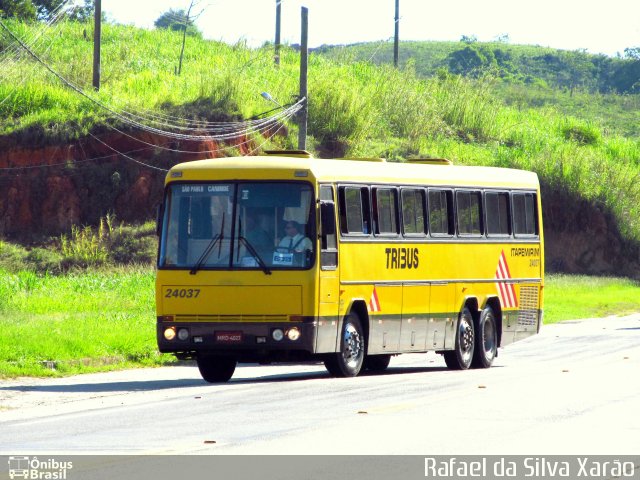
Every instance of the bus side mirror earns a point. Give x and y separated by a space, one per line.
328 218
159 214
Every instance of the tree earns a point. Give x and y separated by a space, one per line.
179 20
84 13
627 76
470 61
43 9
21 9
632 52
176 20
468 39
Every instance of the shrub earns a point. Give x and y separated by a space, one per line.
583 133
44 260
12 257
134 244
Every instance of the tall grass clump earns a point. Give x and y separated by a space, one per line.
406 106
468 107
108 245
583 133
84 246
339 116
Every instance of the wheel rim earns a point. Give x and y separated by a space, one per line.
489 338
353 350
466 339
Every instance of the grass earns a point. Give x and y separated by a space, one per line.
80 322
569 297
103 320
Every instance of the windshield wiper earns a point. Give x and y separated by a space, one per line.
207 251
255 254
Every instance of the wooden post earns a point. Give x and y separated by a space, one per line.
304 62
397 35
97 38
277 42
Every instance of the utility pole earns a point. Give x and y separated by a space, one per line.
304 62
396 41
277 42
97 39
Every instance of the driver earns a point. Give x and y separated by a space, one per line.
294 241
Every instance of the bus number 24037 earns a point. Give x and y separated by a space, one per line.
182 293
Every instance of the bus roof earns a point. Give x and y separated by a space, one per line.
349 171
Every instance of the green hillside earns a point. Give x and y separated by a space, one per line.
514 63
582 141
574 82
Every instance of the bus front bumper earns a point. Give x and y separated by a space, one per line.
235 338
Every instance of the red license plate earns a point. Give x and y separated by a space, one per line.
229 337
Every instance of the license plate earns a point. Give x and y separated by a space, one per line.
228 337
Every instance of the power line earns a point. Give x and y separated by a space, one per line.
226 131
216 131
127 155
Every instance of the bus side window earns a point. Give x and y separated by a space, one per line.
524 214
386 211
413 212
441 213
354 211
469 212
497 213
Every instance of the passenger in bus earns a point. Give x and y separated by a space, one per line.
258 236
294 241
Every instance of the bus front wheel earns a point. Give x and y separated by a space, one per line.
461 356
348 361
486 347
216 368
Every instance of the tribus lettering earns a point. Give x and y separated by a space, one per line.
400 258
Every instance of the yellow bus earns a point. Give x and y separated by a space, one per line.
284 257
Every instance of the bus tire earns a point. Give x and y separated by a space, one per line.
216 368
461 356
377 363
486 346
348 361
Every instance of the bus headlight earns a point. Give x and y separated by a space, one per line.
277 334
170 333
293 334
183 334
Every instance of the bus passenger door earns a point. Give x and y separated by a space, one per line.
329 279
415 317
328 309
440 314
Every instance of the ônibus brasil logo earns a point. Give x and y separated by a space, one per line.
35 469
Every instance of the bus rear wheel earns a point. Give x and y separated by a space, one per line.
216 368
461 356
486 347
348 361
377 363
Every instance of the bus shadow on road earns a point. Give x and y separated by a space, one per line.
157 385
108 387
324 375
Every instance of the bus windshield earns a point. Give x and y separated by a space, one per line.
238 225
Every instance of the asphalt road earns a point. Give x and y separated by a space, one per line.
573 389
